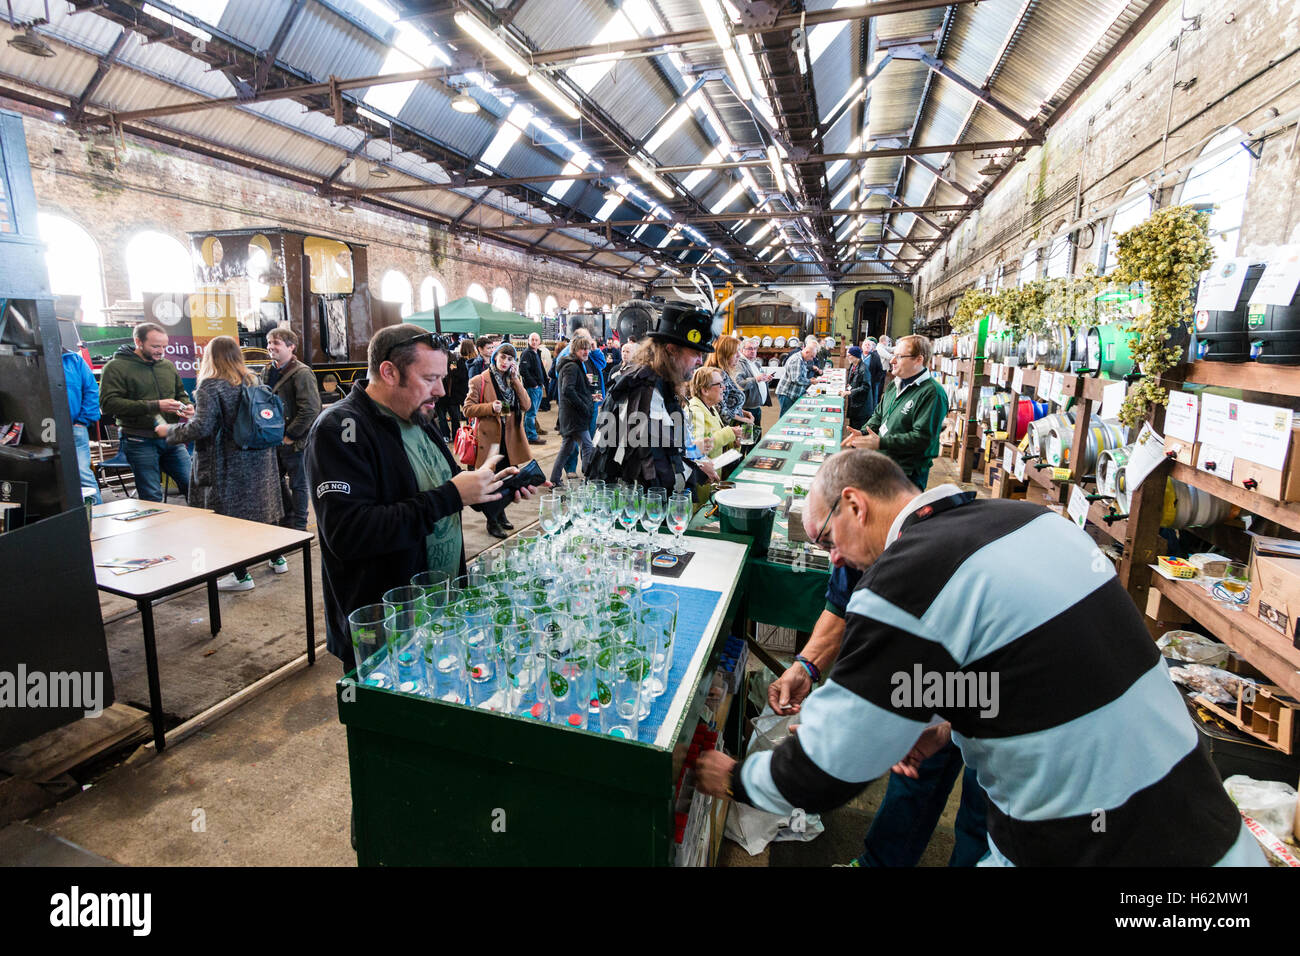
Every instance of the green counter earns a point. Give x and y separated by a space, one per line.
444 784
778 593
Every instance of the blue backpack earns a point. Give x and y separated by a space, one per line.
259 420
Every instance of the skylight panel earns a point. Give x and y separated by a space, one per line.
728 198
391 97
511 128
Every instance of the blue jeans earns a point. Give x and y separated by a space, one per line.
530 416
81 436
295 498
907 816
786 401
149 458
571 462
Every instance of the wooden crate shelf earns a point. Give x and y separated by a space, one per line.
1285 514
1264 647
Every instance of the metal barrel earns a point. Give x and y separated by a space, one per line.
1108 351
1194 508
1041 428
1108 463
1102 434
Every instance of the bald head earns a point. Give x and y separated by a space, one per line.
534 341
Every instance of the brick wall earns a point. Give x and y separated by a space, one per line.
115 193
1243 62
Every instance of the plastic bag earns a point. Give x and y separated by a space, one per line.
1193 648
1220 686
754 829
1269 802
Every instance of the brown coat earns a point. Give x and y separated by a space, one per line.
478 405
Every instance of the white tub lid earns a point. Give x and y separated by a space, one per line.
738 497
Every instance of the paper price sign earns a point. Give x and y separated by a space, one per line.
1018 381
1078 506
1009 458
1021 469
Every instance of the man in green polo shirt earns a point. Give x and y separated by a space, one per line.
909 418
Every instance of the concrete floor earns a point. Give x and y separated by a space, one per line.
268 783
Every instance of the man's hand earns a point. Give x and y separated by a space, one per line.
161 430
482 484
187 411
713 773
286 440
710 472
169 406
787 692
932 740
868 439
851 433
844 393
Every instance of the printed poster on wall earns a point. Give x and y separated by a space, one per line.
191 320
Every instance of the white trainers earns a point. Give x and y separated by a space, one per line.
279 565
232 583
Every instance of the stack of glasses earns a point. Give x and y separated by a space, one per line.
565 630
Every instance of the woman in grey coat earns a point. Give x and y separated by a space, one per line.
230 481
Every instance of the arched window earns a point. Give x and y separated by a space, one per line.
607 307
1137 207
1029 266
1058 258
586 307
431 291
476 291
72 260
551 306
501 300
533 305
155 262
395 287
1221 180
574 306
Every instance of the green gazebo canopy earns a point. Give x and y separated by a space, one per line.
468 316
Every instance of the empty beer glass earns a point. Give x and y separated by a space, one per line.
525 670
655 636
368 629
443 652
620 689
570 678
663 661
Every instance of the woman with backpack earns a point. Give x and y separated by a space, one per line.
229 480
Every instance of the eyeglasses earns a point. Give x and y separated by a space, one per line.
433 340
817 541
717 384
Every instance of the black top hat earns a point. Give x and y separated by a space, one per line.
683 324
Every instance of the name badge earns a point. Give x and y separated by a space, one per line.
884 430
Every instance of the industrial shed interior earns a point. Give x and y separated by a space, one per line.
1071 226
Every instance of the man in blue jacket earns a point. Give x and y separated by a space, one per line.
386 490
83 398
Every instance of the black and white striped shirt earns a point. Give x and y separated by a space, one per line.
1006 619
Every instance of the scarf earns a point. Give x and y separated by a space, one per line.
505 392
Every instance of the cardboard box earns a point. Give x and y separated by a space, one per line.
1275 593
1284 485
1184 451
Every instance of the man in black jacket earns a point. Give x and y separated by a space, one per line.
577 394
533 374
387 493
295 383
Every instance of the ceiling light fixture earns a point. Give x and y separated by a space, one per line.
464 103
489 40
613 195
721 27
991 168
650 177
552 92
774 160
31 43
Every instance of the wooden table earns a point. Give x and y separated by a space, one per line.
106 522
205 547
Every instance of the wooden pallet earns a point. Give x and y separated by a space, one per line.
54 753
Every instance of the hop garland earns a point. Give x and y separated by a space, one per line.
1167 252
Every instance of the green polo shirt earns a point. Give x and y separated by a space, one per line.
443 547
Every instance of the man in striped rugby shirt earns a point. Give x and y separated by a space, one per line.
1057 697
